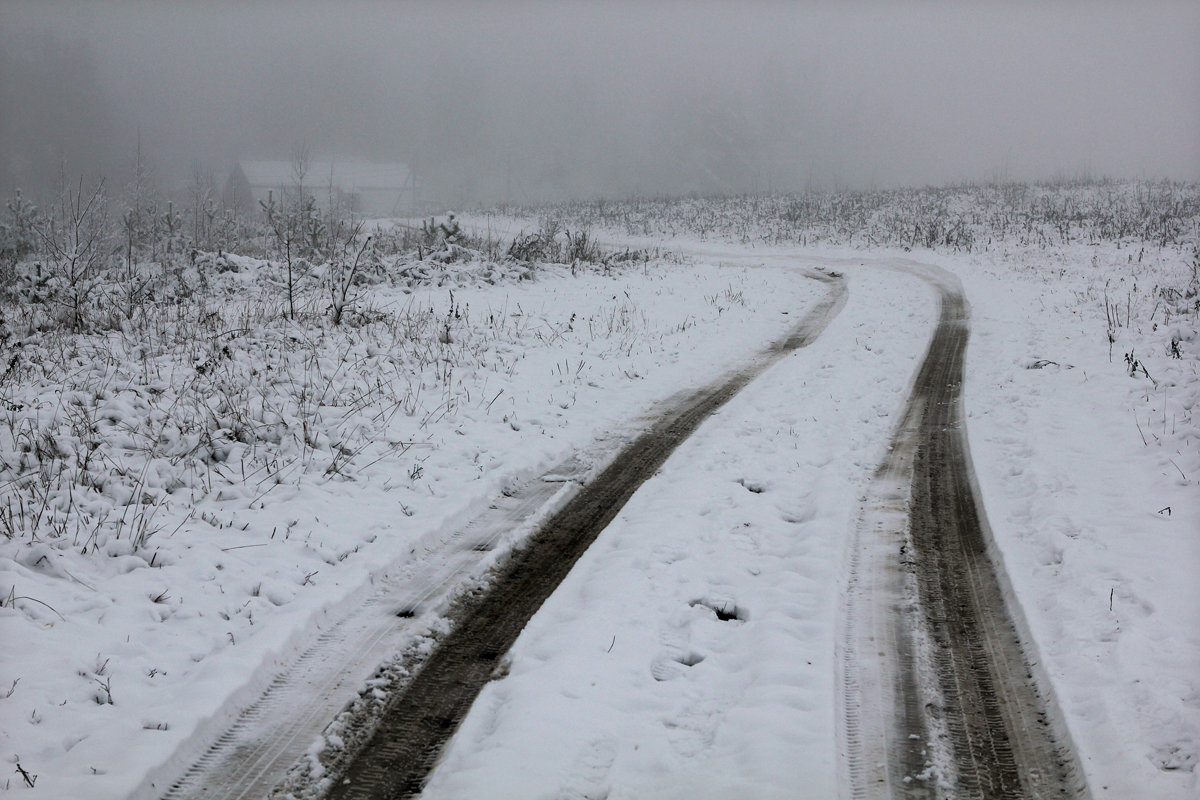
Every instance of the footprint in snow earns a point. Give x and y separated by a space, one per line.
587 778
724 609
671 665
751 485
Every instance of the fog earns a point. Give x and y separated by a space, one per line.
520 102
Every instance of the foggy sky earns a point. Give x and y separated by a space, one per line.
541 100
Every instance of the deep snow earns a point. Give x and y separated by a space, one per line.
629 679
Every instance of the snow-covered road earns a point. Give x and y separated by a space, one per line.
943 695
691 653
693 649
409 738
675 660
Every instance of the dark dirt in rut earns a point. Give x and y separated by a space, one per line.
1001 739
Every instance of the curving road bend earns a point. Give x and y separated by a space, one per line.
940 695
941 691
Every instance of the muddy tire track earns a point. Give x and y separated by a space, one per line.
248 756
940 694
423 714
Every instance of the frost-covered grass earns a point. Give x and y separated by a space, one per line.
224 394
131 385
963 218
1127 253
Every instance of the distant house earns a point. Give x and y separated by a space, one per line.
372 189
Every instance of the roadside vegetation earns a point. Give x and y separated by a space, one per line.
1126 252
959 218
151 356
150 353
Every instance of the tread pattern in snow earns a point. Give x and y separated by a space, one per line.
962 715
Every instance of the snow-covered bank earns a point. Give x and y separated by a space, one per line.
125 648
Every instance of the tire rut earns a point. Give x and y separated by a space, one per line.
249 756
960 713
421 717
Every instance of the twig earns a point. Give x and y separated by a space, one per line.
1139 427
30 780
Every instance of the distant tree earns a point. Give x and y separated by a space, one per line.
18 230
204 206
301 163
140 221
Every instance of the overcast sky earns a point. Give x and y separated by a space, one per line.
523 101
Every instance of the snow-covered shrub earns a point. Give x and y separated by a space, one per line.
78 250
960 218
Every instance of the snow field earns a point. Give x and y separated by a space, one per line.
128 646
691 650
1088 472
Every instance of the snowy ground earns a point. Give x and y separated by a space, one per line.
125 650
1088 476
690 653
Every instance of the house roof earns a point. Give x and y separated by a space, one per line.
347 175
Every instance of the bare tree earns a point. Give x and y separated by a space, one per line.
77 244
203 195
301 163
343 271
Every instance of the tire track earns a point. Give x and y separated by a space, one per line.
423 714
940 698
249 756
